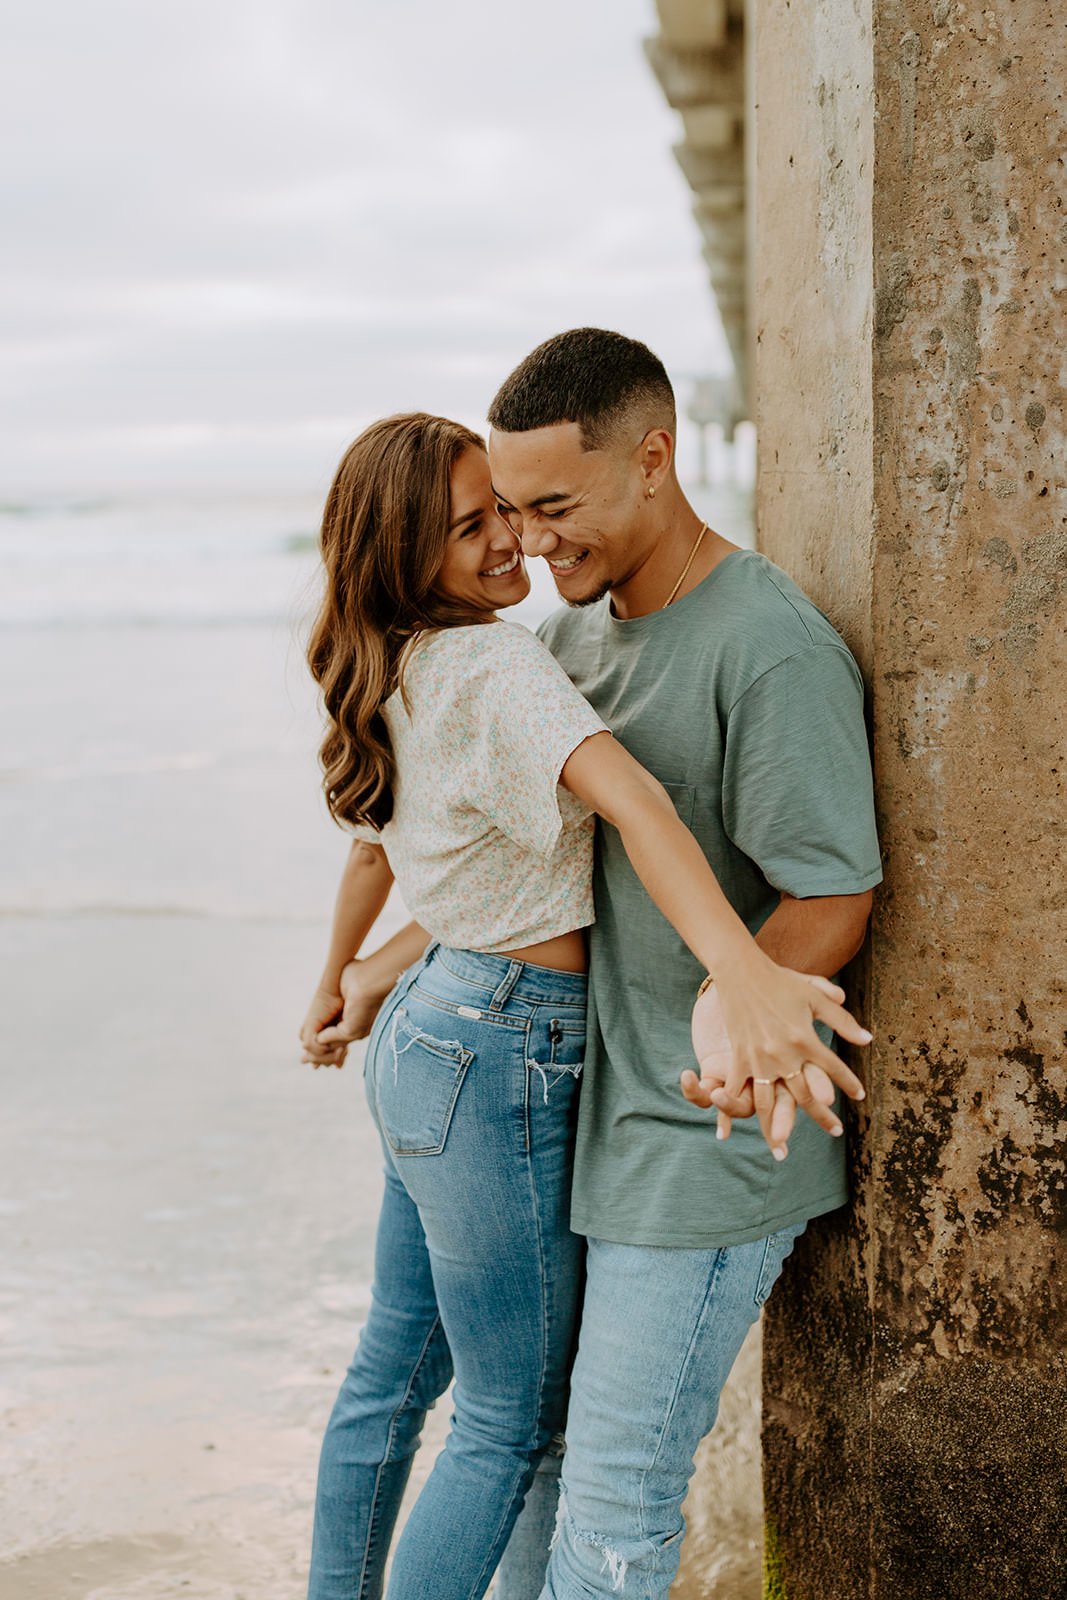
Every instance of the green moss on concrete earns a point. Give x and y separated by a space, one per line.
773 1565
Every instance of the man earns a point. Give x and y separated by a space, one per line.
725 681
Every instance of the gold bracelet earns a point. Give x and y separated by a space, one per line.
705 986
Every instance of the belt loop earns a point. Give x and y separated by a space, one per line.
421 964
507 983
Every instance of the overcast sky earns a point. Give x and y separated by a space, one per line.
235 232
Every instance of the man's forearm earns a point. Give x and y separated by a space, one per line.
380 970
818 935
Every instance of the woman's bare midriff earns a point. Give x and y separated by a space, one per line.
566 952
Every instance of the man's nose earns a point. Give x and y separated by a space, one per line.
538 541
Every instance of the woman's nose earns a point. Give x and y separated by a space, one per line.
502 537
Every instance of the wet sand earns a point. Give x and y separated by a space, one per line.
188 1263
186 1213
186 1273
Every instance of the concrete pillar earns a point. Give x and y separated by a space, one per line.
699 58
911 322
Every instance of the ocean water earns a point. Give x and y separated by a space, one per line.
150 562
186 1213
159 724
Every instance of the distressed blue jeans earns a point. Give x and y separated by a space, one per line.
661 1329
472 1078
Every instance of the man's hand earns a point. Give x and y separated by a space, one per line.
711 1045
810 1087
361 1003
334 1021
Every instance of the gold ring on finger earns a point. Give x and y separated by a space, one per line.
795 1074
763 1082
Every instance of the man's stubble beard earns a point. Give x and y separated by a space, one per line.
588 599
605 587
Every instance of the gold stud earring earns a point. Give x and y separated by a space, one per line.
652 491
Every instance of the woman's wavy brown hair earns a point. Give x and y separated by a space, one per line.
385 526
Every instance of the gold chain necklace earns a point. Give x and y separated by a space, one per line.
685 569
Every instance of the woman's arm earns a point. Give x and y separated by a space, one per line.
363 891
365 984
768 1009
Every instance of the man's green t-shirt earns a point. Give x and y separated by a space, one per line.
746 704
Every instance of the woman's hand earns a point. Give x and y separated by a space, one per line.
325 1007
757 1049
335 1020
361 1002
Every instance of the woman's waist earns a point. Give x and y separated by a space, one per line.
488 981
565 952
545 930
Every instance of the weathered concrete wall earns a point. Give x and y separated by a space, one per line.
812 297
911 317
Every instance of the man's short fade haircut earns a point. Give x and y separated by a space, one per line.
602 381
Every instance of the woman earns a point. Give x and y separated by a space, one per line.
457 739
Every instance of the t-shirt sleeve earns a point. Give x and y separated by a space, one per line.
363 833
797 791
526 718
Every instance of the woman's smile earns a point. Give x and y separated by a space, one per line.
483 567
504 567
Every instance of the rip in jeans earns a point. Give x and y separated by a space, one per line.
559 1069
614 1564
558 1072
449 1046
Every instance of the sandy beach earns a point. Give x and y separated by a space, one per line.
189 1262
187 1212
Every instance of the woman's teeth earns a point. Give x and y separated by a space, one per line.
504 567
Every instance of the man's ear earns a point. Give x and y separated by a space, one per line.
655 454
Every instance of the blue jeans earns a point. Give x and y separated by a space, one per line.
661 1329
472 1078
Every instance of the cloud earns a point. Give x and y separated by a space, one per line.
233 227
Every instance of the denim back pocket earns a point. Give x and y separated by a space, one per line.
417 1082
